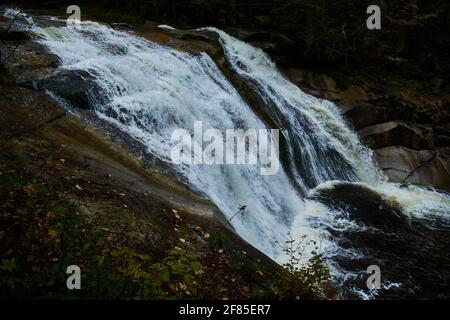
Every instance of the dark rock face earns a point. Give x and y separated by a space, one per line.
365 114
76 87
406 134
15 35
408 251
397 133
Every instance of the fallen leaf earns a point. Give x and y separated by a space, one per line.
29 190
52 234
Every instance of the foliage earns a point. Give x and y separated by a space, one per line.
174 277
301 280
323 30
41 233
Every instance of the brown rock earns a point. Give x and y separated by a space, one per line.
422 167
362 114
397 133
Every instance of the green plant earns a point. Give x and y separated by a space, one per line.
300 280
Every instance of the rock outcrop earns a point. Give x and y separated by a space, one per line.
408 130
397 133
76 87
424 167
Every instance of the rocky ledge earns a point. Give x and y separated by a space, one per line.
407 128
75 191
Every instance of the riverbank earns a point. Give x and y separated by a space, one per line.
75 191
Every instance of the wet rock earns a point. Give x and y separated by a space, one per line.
76 87
364 205
115 49
423 167
23 110
29 62
396 133
201 36
412 254
14 35
12 32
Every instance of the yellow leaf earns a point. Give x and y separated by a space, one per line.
52 234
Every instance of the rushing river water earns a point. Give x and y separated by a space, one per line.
149 90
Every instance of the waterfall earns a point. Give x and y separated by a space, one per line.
151 90
318 127
324 151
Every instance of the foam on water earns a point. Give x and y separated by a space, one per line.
331 131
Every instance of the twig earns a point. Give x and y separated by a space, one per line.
240 211
421 166
11 23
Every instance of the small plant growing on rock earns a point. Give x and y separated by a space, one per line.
299 280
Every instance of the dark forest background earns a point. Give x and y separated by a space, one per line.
414 35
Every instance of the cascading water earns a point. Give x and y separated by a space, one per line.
323 152
151 90
321 146
317 124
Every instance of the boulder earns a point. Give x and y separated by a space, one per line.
76 87
362 114
397 133
363 205
423 167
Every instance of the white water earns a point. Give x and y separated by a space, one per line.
329 131
154 90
